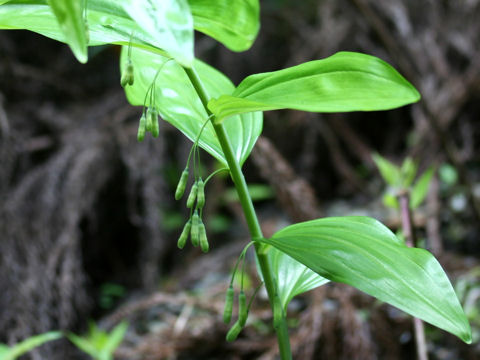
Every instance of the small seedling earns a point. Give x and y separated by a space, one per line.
401 180
99 344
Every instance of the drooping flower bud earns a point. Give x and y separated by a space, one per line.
141 128
182 183
228 309
155 124
200 194
234 331
195 231
127 76
192 196
202 234
184 235
149 123
242 308
131 74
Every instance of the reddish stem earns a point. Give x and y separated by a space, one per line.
411 241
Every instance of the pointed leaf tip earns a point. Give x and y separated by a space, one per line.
363 253
234 23
69 15
345 81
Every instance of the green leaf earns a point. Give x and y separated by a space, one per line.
178 103
108 23
96 336
293 278
115 338
362 252
69 14
84 344
390 201
346 81
169 22
4 349
408 172
390 172
420 189
31 343
235 23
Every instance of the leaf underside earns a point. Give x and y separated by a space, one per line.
168 22
292 277
234 23
69 14
179 104
164 27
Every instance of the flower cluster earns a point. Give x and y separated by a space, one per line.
243 308
195 202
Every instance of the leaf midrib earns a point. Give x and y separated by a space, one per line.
302 78
286 243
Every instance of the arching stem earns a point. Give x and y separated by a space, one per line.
248 210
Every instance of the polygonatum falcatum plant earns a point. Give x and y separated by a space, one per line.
160 73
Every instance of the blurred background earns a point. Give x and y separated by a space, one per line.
89 224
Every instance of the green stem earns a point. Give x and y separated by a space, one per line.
214 173
248 210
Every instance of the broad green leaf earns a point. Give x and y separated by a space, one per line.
293 278
169 22
69 14
235 23
420 189
108 22
179 104
31 343
345 81
390 172
362 252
